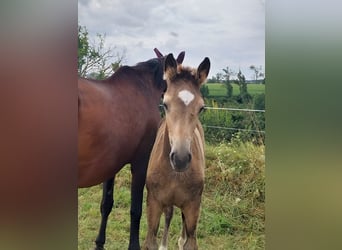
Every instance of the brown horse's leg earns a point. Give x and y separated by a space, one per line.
168 211
106 208
191 215
138 171
154 212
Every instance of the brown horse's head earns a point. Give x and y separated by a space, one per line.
182 103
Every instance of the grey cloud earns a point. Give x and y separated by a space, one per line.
228 31
84 2
174 34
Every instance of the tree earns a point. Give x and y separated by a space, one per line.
227 74
257 72
241 81
219 77
94 60
204 90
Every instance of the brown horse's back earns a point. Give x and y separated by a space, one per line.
114 121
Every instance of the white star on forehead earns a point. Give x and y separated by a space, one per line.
186 96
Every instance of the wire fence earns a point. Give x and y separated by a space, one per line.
235 129
207 124
236 109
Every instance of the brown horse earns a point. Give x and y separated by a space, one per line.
175 174
118 120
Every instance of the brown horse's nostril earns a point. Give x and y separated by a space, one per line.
190 157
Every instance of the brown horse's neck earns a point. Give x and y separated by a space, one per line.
151 74
154 79
156 88
145 77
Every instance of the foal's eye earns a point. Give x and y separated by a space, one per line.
165 105
202 109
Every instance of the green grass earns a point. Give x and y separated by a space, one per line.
218 89
232 215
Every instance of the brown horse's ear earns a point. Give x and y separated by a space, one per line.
180 57
170 67
203 70
158 53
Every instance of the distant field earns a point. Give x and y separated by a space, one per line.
218 89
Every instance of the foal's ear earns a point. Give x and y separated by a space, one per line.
170 67
180 57
203 70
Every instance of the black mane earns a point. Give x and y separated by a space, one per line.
153 66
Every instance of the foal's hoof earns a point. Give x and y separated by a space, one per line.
99 248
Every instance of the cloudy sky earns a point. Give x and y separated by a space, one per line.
229 32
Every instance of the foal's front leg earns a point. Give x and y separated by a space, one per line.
168 211
154 212
182 239
190 215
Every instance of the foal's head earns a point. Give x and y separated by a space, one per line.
182 103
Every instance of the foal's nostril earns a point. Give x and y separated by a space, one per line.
172 156
189 157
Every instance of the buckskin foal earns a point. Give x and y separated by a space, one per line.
175 174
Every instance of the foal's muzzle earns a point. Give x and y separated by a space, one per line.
180 162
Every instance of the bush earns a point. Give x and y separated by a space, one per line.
259 101
204 91
222 125
216 118
236 171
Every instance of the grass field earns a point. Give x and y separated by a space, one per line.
232 215
218 89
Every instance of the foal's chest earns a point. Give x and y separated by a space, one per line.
176 188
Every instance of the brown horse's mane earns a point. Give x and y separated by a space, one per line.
153 66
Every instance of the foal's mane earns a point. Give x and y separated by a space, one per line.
184 73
